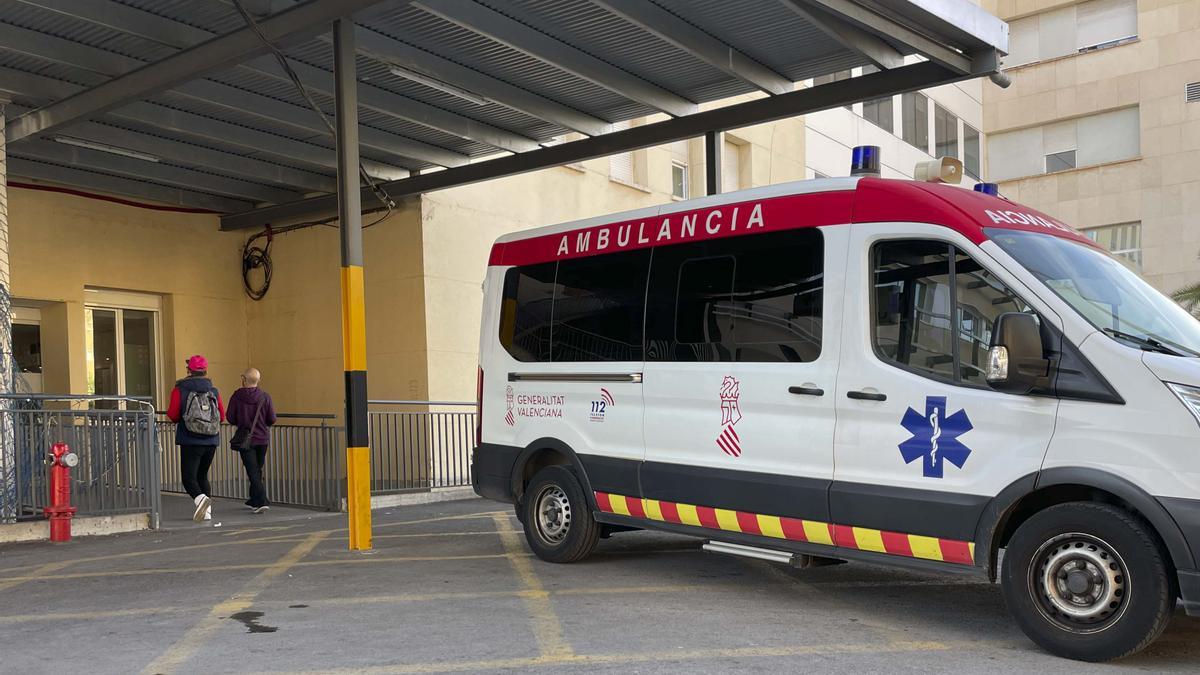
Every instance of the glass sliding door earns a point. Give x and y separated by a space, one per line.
122 343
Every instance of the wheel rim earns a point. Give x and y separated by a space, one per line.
1079 583
553 515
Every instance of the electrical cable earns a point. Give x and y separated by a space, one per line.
258 257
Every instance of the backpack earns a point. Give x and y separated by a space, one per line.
201 415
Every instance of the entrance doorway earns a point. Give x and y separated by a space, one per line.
122 344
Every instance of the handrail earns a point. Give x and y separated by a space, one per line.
389 402
294 416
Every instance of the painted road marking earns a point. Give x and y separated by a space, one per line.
547 629
200 633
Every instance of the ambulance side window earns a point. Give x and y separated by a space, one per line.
754 298
933 309
599 306
526 311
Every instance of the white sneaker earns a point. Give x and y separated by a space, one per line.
208 513
203 504
259 509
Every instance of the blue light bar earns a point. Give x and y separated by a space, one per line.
864 160
992 189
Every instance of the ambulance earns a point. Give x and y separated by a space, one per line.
893 372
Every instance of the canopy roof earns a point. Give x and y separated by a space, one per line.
180 101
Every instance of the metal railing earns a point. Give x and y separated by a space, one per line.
118 465
419 445
304 464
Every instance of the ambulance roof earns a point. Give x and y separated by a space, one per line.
810 203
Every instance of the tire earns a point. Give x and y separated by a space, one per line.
557 518
1087 581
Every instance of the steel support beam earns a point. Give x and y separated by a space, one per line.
110 64
90 180
316 79
832 95
850 36
881 25
354 337
558 54
306 19
389 51
141 169
713 149
686 36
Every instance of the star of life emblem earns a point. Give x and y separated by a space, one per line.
935 437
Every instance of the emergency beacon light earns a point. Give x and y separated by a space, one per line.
864 161
992 189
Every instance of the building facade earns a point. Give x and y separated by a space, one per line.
1101 126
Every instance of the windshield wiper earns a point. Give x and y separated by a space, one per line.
1148 343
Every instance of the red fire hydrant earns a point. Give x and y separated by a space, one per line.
60 511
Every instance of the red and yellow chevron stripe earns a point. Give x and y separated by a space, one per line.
791 529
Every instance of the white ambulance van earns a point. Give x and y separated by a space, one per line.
864 369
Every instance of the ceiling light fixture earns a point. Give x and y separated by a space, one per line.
444 87
104 147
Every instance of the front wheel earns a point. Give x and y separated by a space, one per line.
558 521
1087 581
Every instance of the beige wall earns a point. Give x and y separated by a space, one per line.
295 332
1160 188
62 243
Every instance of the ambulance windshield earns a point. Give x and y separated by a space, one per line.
1108 294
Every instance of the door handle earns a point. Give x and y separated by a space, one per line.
866 396
806 391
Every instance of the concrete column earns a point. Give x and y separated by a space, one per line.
8 450
713 140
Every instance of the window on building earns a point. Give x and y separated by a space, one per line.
1123 240
914 108
1060 161
1078 28
121 344
934 308
679 180
620 167
1085 141
878 111
945 132
749 299
971 151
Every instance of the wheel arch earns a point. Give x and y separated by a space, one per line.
548 452
1034 492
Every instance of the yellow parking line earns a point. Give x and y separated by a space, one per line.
547 629
895 647
400 598
198 634
40 572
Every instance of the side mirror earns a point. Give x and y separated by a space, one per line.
1015 361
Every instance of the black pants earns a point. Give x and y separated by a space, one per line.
254 460
194 461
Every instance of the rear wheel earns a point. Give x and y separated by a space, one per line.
1087 581
557 519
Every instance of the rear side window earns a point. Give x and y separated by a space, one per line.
583 309
739 299
934 308
527 310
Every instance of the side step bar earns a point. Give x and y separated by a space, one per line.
750 552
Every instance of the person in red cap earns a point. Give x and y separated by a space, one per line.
197 410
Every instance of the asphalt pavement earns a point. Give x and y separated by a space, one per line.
451 587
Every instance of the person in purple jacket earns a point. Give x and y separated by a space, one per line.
251 408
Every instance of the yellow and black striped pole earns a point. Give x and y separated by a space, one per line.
354 335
